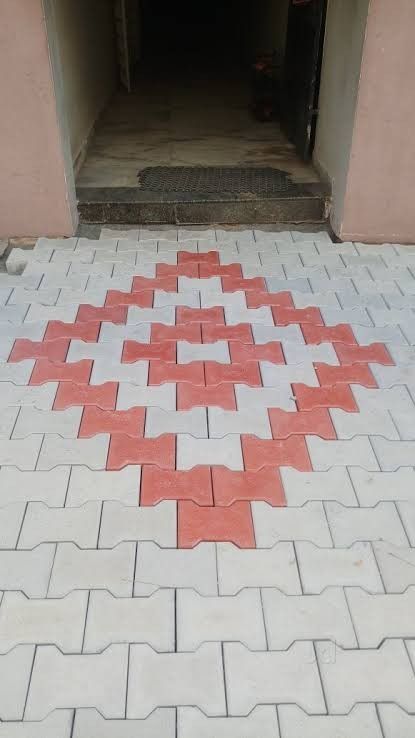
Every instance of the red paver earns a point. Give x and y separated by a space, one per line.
188 257
101 395
196 524
162 484
142 299
232 486
191 333
166 283
314 334
214 315
95 420
161 372
353 374
289 452
53 350
375 353
289 316
338 395
241 333
236 284
58 371
125 450
225 270
135 351
247 373
274 299
304 423
241 352
179 270
116 314
88 332
189 396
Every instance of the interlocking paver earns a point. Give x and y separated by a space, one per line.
86 484
56 451
361 721
56 622
348 525
17 664
159 680
262 721
192 422
60 681
393 454
396 565
396 723
45 524
160 568
274 567
273 524
355 452
64 423
373 487
56 725
383 675
237 618
226 422
74 569
376 617
23 486
11 518
343 567
193 451
27 571
289 618
148 620
284 676
88 722
120 523
333 484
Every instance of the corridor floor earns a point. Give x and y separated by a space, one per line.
207 514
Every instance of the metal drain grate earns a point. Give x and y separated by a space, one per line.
214 180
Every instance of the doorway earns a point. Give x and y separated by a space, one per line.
191 93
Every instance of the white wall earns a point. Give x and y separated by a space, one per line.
85 30
342 58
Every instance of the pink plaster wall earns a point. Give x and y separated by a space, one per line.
380 195
35 198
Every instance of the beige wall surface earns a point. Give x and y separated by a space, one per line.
35 194
343 47
85 30
380 196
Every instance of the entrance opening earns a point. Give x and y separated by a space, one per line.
201 86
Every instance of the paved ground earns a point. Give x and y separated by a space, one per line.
207 515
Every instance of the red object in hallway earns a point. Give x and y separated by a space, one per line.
74 395
162 484
233 486
55 350
95 421
125 450
197 524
